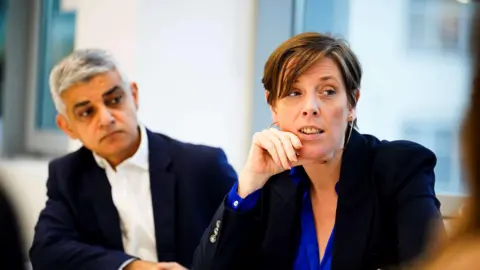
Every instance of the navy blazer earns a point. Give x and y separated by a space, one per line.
80 227
385 212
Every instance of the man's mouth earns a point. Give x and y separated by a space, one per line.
110 134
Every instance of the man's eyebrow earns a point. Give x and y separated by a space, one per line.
111 91
86 102
81 104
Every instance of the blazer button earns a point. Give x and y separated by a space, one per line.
218 223
213 238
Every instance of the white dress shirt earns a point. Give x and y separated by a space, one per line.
130 185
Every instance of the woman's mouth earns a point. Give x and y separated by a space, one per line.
311 131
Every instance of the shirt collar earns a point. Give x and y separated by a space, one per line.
139 159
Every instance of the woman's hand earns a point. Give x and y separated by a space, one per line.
272 152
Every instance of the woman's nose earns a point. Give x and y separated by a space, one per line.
311 107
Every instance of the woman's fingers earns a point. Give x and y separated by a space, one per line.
297 144
264 142
281 146
288 147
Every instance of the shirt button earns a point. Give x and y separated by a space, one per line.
235 204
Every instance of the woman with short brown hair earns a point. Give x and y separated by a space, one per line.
314 192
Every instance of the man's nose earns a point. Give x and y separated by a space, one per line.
105 117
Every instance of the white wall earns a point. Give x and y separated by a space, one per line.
193 61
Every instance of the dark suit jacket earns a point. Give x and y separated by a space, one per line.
11 252
386 207
80 227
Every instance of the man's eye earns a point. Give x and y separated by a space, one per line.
116 100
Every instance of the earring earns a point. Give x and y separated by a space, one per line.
273 125
351 124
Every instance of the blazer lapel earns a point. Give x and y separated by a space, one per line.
355 207
280 241
162 186
105 210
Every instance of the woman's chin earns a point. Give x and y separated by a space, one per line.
313 156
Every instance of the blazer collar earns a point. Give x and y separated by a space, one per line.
355 206
164 202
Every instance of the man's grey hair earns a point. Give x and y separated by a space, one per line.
79 67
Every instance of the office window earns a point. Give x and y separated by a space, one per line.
439 25
56 40
53 33
3 14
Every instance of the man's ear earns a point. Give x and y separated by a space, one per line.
134 89
64 125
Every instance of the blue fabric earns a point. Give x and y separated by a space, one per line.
307 256
235 202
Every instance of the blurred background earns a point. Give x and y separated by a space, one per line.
199 65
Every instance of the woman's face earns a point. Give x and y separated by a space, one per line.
317 111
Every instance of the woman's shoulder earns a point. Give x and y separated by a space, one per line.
399 162
398 151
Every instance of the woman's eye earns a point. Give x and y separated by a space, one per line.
293 93
329 92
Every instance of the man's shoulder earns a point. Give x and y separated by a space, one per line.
73 160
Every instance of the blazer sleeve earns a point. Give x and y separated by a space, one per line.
409 183
229 241
58 245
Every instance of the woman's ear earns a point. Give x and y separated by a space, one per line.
356 93
353 109
274 115
272 108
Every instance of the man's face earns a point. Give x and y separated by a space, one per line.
102 114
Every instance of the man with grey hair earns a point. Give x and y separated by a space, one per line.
129 198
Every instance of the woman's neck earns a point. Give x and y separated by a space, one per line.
324 176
